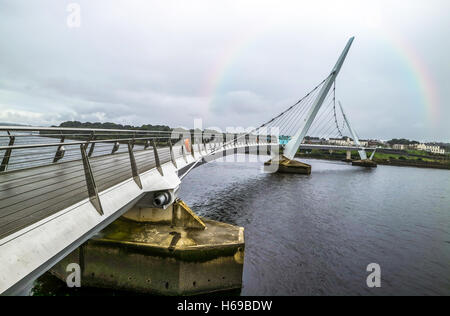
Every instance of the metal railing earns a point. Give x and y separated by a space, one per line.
28 147
44 170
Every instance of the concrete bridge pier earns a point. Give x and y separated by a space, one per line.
364 163
166 250
282 164
348 156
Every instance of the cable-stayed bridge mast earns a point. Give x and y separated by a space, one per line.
314 120
294 144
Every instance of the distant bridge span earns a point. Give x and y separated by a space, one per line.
335 147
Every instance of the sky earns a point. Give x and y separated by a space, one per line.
229 63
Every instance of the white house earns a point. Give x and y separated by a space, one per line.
346 141
430 148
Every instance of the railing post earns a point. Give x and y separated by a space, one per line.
8 152
204 146
115 147
257 145
134 169
155 152
183 152
172 155
198 146
60 151
90 182
91 149
202 139
192 148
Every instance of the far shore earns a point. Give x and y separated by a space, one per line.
396 162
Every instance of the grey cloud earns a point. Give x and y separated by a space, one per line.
229 62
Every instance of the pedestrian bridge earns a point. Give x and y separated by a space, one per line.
60 186
47 210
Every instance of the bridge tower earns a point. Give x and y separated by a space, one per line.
364 161
286 162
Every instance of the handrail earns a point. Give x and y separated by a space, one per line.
72 129
65 139
26 146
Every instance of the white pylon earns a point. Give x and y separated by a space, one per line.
293 145
362 152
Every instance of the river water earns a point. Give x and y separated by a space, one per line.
316 234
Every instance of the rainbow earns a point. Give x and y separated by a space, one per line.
419 72
223 65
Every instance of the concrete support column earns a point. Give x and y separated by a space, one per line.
161 251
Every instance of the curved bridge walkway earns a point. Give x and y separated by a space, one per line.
48 209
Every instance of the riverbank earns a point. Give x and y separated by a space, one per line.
382 159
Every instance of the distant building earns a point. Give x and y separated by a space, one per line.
376 143
347 141
364 142
344 141
420 147
434 149
399 147
315 140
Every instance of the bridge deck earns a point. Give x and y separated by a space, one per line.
30 195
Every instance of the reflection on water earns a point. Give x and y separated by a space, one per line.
316 234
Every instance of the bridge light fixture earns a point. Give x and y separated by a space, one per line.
162 199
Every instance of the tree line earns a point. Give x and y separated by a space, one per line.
109 125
